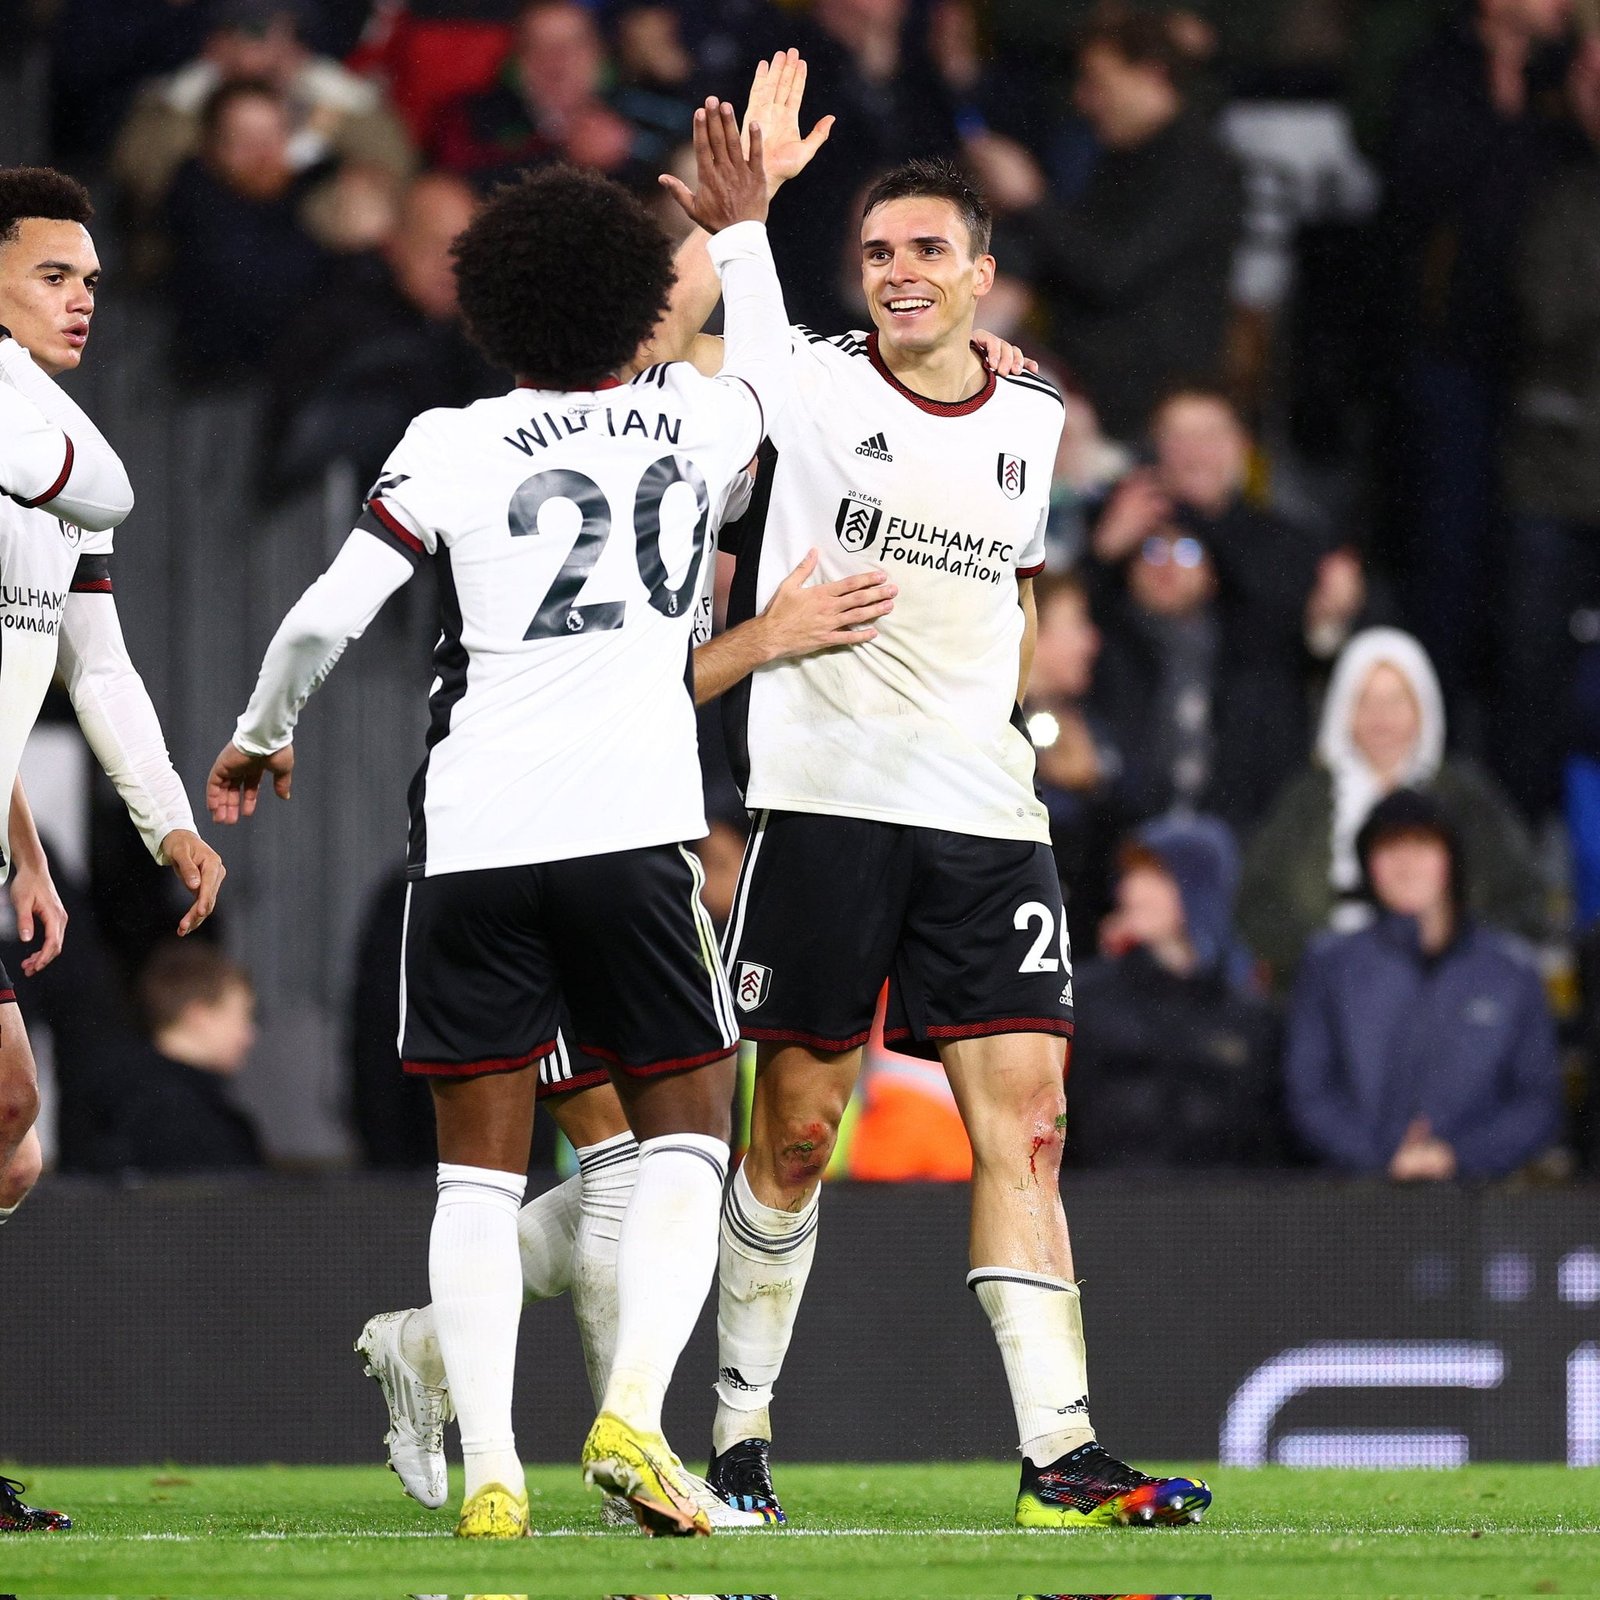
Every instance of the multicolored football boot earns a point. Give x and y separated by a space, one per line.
18 1518
742 1476
1090 1488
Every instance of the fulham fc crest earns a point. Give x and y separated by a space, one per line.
1012 472
857 523
751 989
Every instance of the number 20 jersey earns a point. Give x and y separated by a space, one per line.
572 534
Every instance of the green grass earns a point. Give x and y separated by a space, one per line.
304 1533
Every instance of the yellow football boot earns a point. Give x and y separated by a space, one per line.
643 1470
494 1513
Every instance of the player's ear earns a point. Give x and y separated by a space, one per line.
983 276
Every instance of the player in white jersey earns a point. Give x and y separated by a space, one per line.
904 766
62 491
568 523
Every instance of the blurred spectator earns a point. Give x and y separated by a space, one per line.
1382 729
241 259
1078 766
1552 566
1266 574
550 104
1421 1047
1088 465
868 65
1173 1061
378 345
331 111
655 77
168 1109
427 53
1135 274
1156 681
1472 137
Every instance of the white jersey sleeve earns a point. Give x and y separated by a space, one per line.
755 326
51 455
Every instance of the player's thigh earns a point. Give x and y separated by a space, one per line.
985 950
816 918
480 992
487 1120
638 961
695 1100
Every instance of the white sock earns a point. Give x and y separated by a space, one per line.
546 1227
477 1302
762 1268
665 1263
8 1212
1038 1324
608 1172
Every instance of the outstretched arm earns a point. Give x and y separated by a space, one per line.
114 710
309 641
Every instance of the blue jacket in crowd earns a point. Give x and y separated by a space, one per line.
1380 1034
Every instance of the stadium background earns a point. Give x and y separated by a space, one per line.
1283 1317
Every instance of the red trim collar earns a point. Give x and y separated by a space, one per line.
936 408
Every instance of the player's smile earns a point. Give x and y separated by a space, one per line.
919 274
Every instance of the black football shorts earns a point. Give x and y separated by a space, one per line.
566 1070
8 995
969 933
497 962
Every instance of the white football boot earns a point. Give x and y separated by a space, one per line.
418 1412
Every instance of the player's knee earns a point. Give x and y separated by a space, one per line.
1030 1134
19 1105
803 1148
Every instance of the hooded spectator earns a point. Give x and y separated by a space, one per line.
1173 1060
1382 728
1421 1047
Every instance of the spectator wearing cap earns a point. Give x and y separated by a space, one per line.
1135 274
1266 575
1382 728
1421 1047
331 112
1174 1059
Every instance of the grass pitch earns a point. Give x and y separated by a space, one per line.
307 1533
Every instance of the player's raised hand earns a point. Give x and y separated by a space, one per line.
998 356
200 871
776 92
234 783
801 619
34 900
732 181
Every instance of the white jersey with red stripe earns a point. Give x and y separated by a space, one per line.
919 726
573 535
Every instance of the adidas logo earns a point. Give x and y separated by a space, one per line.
876 448
1078 1408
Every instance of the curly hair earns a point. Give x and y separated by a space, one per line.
936 178
562 275
40 192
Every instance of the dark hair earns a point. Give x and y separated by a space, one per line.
40 192
562 276
1196 389
222 98
936 179
1141 38
178 976
1404 814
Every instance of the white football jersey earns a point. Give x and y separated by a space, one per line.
918 726
573 536
42 560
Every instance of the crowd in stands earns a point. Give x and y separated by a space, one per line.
1316 695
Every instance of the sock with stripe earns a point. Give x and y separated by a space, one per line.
1038 1324
665 1263
607 1172
762 1267
8 1212
477 1303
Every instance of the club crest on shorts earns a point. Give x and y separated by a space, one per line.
1011 472
750 989
857 523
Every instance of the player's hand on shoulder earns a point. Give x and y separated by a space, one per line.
200 871
35 901
234 783
802 618
732 183
775 95
1001 357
